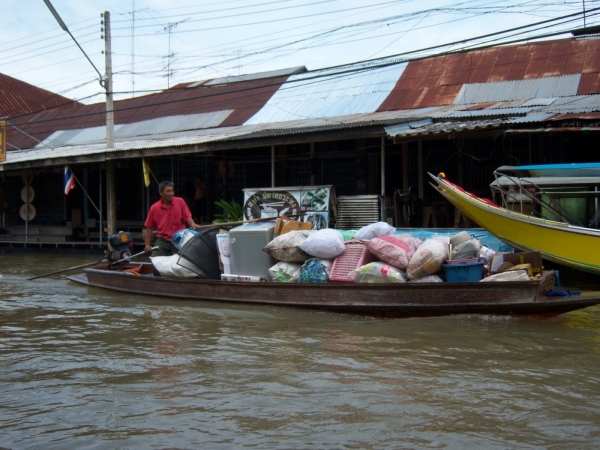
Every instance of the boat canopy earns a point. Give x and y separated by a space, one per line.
555 170
526 182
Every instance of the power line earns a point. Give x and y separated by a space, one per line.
280 20
205 12
343 70
321 45
274 48
271 41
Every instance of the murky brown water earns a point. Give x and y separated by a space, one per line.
87 368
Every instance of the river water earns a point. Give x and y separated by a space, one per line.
86 368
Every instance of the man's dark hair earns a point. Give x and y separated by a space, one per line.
164 184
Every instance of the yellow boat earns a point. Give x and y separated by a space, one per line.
560 242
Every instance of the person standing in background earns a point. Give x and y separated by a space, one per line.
199 203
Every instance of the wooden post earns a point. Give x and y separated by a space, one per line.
405 183
111 197
272 166
100 225
312 157
383 166
420 167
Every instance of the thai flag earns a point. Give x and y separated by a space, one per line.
69 180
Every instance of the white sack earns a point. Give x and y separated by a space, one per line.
326 243
378 272
428 259
467 249
286 247
512 275
168 267
285 272
375 230
428 279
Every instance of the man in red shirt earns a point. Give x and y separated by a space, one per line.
168 215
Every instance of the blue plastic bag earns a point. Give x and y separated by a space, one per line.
313 271
181 236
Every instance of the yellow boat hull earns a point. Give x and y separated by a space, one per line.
576 247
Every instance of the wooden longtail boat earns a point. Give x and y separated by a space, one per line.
560 242
387 300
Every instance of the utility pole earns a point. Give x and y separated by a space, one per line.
111 198
106 83
110 118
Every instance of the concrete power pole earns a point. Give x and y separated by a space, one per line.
110 118
111 198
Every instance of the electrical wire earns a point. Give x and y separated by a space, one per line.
378 59
183 69
340 73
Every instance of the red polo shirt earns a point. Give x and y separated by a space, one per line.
168 220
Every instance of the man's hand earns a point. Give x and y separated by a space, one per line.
147 248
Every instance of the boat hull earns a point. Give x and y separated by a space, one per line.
559 242
387 300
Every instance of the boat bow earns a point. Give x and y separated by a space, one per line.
566 244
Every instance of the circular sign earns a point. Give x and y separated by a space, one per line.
265 204
27 194
27 212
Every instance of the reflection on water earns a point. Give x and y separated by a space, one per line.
84 367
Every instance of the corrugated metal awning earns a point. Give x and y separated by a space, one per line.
405 130
552 130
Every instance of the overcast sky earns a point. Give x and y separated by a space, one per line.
157 43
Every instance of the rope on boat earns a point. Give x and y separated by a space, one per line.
560 292
478 236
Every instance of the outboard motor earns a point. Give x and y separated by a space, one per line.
120 246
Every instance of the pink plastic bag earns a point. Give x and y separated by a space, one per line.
396 250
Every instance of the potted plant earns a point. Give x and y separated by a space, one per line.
234 212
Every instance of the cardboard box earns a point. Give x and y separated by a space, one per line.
500 261
285 225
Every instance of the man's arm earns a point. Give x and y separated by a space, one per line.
187 215
190 223
148 239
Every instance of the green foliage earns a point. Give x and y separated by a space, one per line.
234 212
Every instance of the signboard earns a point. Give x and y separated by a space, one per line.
2 141
306 204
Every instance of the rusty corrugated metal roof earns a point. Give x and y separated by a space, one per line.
243 98
436 81
18 98
502 82
552 129
578 116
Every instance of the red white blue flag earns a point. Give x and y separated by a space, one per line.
69 180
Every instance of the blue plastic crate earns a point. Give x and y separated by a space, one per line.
464 272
